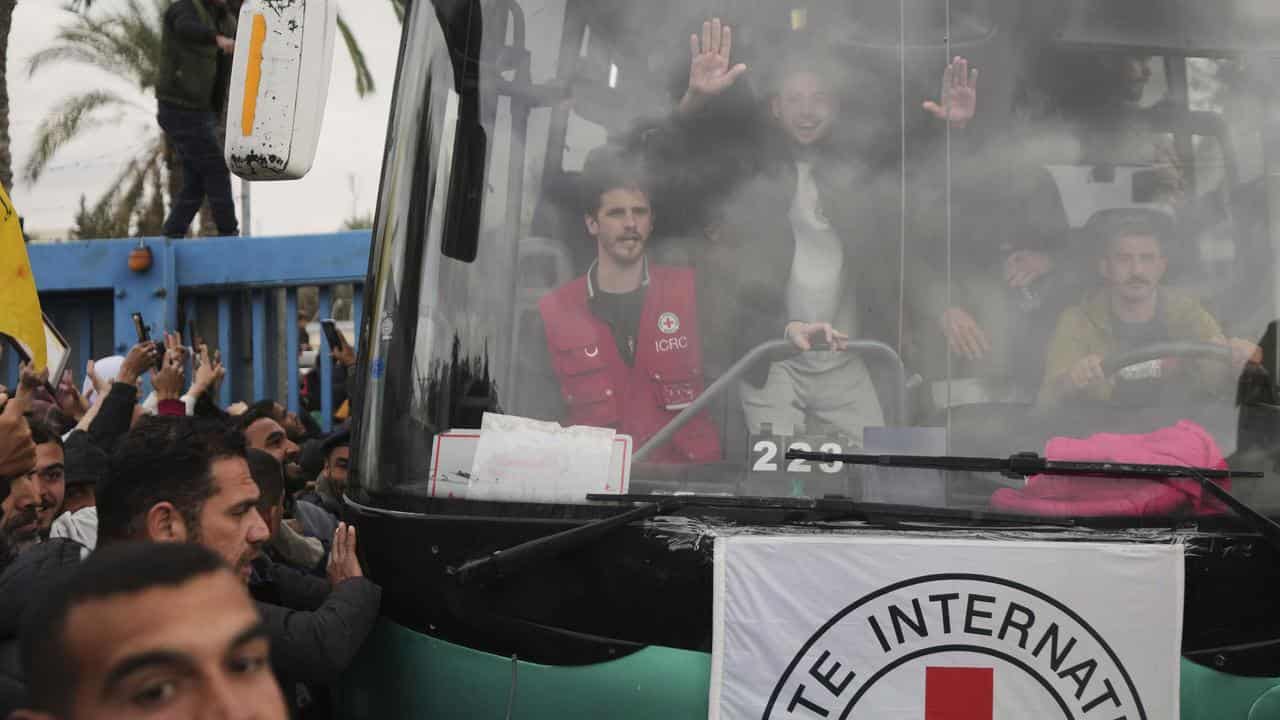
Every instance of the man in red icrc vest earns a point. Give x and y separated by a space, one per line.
623 338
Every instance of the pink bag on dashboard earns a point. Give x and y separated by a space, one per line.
1185 443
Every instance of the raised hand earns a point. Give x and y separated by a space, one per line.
17 450
100 386
958 101
167 381
208 371
1024 267
69 398
343 563
710 72
141 358
173 346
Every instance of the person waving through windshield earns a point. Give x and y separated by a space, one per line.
801 251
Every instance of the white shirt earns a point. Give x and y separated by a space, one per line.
81 526
817 289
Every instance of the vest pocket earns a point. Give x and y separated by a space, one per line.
675 388
587 387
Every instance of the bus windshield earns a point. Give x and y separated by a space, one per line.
976 227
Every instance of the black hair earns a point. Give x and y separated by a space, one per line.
122 569
609 168
257 411
86 463
269 476
42 433
52 415
163 459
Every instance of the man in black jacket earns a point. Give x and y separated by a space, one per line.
173 481
800 251
197 42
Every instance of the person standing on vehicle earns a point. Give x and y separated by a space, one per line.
1133 310
197 41
800 254
623 338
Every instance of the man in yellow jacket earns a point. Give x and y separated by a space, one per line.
1134 309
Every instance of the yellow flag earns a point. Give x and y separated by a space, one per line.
19 304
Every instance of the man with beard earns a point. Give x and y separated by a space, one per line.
49 474
320 510
623 339
1132 310
19 492
800 251
262 431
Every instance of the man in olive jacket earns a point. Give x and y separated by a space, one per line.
198 40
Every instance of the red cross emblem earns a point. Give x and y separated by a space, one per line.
958 693
669 323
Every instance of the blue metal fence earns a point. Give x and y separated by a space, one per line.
241 294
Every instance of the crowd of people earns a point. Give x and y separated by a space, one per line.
165 556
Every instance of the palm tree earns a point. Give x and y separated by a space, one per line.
126 43
6 153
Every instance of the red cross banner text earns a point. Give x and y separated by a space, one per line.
906 628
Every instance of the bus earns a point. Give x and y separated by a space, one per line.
951 235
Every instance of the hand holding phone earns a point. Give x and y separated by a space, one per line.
338 346
144 336
331 332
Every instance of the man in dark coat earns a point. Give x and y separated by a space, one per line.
197 43
803 248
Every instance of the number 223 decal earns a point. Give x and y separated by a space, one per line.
766 454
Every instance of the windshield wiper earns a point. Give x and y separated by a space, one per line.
1027 464
1024 464
523 556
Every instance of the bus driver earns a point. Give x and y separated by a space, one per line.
623 338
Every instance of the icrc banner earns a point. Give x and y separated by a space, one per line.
939 629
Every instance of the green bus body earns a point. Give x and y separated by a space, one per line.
401 673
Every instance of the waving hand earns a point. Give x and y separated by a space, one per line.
710 72
959 99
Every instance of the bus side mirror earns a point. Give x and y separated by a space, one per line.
279 84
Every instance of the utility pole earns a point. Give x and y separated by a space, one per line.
246 216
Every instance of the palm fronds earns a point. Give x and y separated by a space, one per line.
364 78
125 43
64 123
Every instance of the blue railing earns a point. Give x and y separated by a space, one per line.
241 293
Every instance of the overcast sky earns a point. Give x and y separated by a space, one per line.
350 146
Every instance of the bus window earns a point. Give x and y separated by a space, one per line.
825 224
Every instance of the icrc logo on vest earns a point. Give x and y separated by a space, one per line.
962 637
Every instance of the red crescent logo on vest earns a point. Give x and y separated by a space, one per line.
669 323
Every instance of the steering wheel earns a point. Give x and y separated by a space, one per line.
1113 364
773 351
